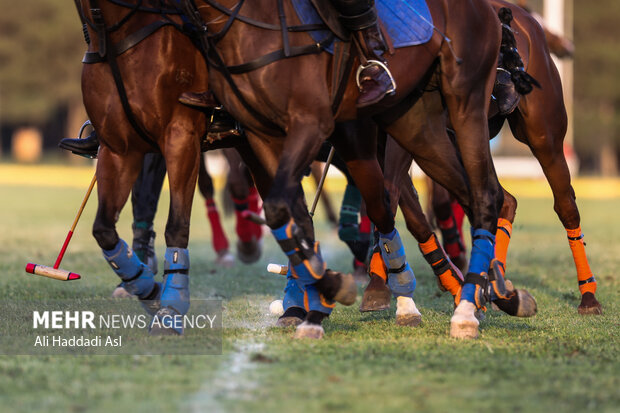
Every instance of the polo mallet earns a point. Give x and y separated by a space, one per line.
283 269
55 272
319 187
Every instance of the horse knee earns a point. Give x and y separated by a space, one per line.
508 208
277 212
106 237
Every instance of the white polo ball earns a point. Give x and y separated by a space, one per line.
276 308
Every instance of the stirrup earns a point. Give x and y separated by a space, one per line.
382 65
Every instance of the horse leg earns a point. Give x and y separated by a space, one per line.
245 198
144 199
322 289
356 144
545 139
449 215
218 235
182 153
115 176
398 181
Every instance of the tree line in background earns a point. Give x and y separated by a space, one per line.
41 46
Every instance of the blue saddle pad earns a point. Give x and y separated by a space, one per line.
407 22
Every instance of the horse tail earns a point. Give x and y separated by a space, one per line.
509 56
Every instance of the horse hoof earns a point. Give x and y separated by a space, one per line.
249 252
377 295
464 324
289 321
519 304
292 317
121 292
225 259
407 313
307 330
347 293
589 305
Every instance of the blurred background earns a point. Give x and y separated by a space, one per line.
41 46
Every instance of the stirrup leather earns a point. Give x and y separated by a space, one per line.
382 65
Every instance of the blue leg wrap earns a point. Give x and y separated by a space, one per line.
482 252
316 302
176 280
137 278
401 279
293 295
307 265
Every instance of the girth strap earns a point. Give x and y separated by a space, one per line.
279 55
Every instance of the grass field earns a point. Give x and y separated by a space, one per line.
557 361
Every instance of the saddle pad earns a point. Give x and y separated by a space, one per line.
407 22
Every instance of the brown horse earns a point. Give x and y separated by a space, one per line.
530 124
286 109
130 92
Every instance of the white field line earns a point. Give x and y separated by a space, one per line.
235 378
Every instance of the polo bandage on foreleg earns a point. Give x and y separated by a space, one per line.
587 282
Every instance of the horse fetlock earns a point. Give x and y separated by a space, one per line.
107 238
137 278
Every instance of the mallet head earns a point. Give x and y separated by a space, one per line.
55 273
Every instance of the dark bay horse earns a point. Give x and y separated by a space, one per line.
540 122
130 94
287 112
530 123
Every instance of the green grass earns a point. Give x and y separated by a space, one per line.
557 361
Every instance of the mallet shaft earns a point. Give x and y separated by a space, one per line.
75 221
319 187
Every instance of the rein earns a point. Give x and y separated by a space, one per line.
208 43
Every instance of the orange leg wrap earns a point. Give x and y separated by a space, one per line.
502 239
447 279
587 283
377 266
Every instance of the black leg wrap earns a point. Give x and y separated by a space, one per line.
509 305
438 262
316 317
296 312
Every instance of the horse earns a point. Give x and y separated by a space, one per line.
287 113
531 124
130 49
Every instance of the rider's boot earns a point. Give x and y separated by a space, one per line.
374 79
204 100
88 146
